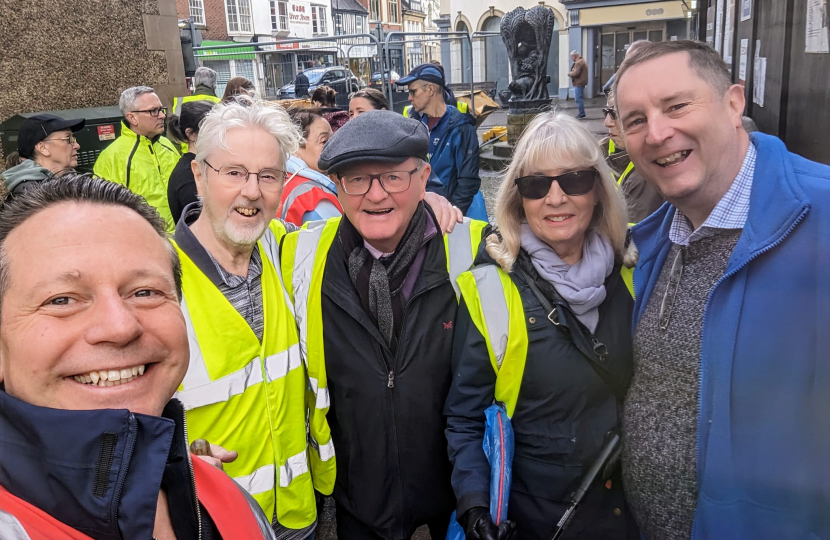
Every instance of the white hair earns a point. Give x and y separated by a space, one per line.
204 76
556 140
246 113
130 95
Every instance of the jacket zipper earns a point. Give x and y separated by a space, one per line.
192 475
705 316
390 384
126 466
155 157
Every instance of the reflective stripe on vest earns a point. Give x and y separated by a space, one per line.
10 528
303 259
496 309
625 173
304 255
247 395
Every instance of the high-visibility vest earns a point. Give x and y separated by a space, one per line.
228 507
496 310
612 148
304 255
179 101
249 396
460 105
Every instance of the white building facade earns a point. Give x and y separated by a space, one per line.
490 61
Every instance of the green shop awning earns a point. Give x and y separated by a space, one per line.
222 54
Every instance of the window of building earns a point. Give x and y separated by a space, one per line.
318 20
239 15
197 11
279 15
393 11
359 25
415 5
374 9
338 24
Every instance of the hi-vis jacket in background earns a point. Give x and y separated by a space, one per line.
383 408
142 165
249 396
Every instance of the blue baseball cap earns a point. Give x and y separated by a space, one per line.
425 72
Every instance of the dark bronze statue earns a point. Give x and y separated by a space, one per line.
527 35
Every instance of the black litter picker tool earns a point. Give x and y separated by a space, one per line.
608 450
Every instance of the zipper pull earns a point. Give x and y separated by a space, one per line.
391 383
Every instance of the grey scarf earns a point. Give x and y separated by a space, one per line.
581 285
387 275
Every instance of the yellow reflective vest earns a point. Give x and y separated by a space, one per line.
304 255
496 310
248 396
142 165
179 101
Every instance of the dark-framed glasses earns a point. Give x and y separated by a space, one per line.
237 175
609 111
391 182
154 112
571 183
69 139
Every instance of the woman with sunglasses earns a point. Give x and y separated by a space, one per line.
544 328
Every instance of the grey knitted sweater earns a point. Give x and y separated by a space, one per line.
661 409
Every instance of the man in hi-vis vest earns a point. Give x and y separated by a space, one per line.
375 303
245 388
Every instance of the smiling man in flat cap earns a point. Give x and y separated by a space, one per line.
375 303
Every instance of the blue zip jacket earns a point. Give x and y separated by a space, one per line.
763 452
99 471
455 159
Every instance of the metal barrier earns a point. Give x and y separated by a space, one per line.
439 37
277 71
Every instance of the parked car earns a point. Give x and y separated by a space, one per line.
337 77
376 81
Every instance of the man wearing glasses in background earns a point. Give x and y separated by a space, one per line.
141 158
375 305
46 145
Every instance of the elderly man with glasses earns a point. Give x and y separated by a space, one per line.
46 146
141 158
375 306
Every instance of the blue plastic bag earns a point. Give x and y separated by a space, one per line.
498 447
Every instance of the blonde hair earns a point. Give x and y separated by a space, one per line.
556 140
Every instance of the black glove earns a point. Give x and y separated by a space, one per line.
478 525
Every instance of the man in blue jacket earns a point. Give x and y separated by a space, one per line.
727 431
453 142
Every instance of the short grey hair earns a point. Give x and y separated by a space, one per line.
556 140
83 189
204 76
130 95
574 53
246 113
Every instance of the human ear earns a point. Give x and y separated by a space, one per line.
198 177
735 101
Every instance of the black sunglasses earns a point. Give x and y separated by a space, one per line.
606 111
572 183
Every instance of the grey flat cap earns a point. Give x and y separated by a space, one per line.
375 136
